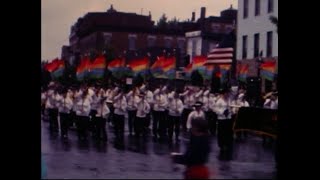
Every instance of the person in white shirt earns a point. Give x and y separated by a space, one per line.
82 108
159 121
225 133
205 107
149 98
237 104
73 115
195 114
143 108
51 106
272 102
131 97
65 106
198 96
188 101
120 109
175 111
101 119
43 102
167 94
110 101
95 95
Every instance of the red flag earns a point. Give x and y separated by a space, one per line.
53 65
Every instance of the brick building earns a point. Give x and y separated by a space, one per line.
209 31
125 33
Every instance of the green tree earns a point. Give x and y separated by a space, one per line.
173 23
162 23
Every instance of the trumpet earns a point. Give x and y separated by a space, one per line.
267 95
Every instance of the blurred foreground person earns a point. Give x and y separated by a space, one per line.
197 154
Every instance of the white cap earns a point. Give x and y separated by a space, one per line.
143 87
51 84
240 96
164 88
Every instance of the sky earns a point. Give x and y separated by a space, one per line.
57 16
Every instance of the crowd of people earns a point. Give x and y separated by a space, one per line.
197 111
162 110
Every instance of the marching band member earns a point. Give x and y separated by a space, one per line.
198 96
43 102
271 102
205 107
225 134
143 108
188 101
73 115
120 109
65 106
131 97
159 123
52 109
195 114
95 97
175 111
101 118
110 102
82 108
237 104
149 98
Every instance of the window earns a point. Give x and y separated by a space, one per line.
107 38
257 8
256 44
168 43
245 9
151 41
194 47
229 29
244 47
132 42
270 6
215 27
269 43
181 45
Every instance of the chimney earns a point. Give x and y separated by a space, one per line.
193 18
203 13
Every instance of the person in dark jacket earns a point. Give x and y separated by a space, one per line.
197 153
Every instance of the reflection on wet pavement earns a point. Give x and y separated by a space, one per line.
146 159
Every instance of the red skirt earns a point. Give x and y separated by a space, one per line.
197 172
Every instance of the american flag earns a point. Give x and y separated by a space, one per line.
220 56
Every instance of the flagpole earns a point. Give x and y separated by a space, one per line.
148 67
175 70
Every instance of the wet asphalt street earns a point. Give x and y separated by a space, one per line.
151 160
